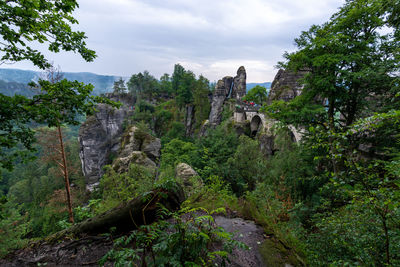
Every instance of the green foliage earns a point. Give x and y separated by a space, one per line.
119 86
121 187
143 85
184 241
177 151
352 236
12 228
216 148
213 195
144 113
177 131
58 103
35 191
39 21
247 166
166 85
257 94
201 103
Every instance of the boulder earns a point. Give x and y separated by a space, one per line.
138 157
136 140
188 178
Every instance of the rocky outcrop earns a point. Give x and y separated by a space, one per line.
121 164
189 117
188 178
227 86
239 84
221 92
286 85
136 139
139 147
99 137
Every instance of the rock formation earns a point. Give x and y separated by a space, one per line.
188 178
286 85
137 147
99 137
227 86
239 84
221 92
189 119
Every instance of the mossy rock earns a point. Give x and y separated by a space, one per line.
274 253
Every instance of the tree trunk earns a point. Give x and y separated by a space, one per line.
65 173
331 125
387 250
127 216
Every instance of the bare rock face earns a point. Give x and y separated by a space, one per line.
221 92
99 137
136 140
239 84
189 119
121 165
137 147
188 177
286 85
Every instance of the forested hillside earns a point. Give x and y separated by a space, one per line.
14 81
174 171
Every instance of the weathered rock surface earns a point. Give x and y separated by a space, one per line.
185 172
136 140
250 234
188 178
221 92
137 147
121 165
189 117
83 252
227 86
99 137
239 84
286 85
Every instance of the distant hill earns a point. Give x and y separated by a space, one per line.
16 80
251 85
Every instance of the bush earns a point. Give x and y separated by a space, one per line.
183 241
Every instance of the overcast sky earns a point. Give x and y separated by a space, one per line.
209 37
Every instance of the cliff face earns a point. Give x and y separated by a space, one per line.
286 85
235 87
99 137
239 84
221 92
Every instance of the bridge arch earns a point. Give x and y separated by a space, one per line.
255 124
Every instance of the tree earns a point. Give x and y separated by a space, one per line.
44 21
201 103
257 94
53 147
353 70
166 85
48 22
119 86
53 144
59 103
351 62
350 106
143 85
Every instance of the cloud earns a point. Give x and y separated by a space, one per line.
210 37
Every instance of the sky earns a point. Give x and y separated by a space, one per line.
210 37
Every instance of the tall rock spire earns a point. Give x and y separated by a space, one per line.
239 84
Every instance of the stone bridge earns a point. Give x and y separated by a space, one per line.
259 122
